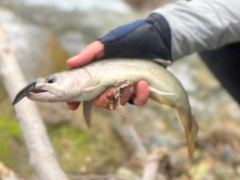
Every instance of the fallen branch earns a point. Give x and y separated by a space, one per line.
40 150
6 173
138 144
96 177
151 168
154 160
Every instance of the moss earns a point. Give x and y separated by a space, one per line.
10 131
12 147
80 151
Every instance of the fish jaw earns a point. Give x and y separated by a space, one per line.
24 92
42 91
35 91
66 86
42 94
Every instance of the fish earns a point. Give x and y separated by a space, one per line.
24 92
85 83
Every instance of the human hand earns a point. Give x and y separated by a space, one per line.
95 50
147 38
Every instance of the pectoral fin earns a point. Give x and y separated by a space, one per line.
87 112
166 98
92 87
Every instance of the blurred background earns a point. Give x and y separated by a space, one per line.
44 34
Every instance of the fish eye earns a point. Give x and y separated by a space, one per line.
51 79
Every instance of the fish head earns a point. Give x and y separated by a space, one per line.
60 87
50 89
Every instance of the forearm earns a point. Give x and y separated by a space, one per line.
201 24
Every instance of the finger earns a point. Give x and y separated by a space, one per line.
73 105
92 51
142 93
108 99
126 94
100 101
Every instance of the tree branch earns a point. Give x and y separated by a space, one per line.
40 150
151 168
6 173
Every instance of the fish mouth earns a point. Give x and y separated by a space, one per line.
37 90
30 89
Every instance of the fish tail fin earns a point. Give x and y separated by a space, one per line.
191 131
184 114
191 137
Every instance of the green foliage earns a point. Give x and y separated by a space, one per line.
12 147
80 151
9 132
